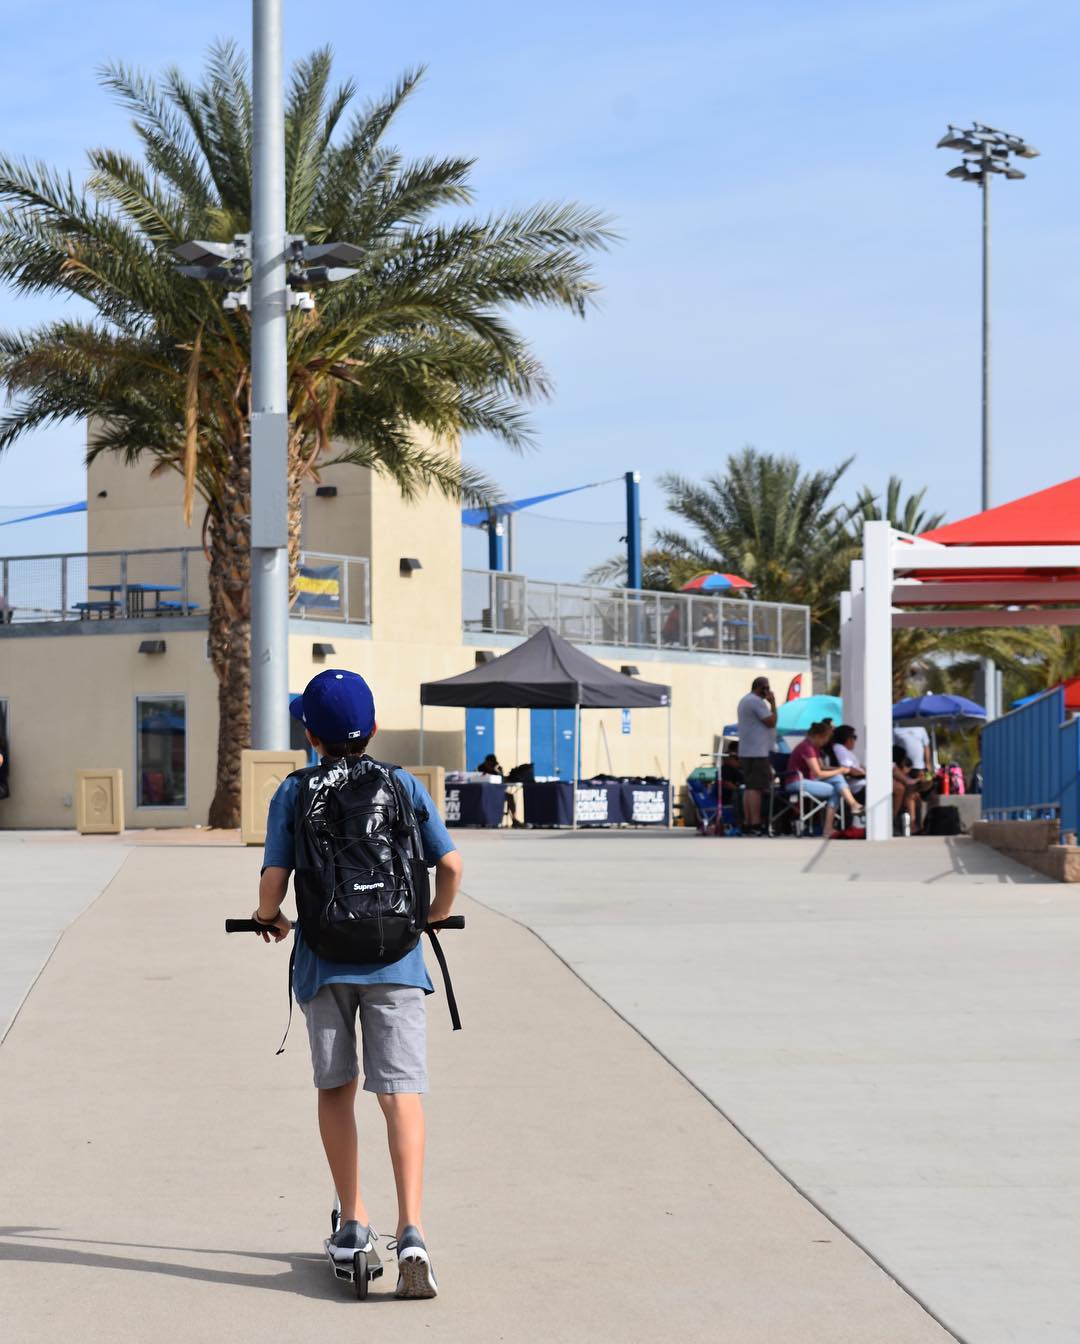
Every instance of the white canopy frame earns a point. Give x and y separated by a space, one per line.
885 593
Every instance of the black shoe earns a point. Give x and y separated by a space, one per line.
347 1240
416 1278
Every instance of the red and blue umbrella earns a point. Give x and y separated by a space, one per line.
711 582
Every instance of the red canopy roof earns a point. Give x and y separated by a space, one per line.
1046 518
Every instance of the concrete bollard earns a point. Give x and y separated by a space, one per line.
99 802
260 774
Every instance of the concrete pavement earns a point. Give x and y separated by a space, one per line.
162 1177
897 1027
46 883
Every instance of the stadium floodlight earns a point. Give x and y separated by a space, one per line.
986 151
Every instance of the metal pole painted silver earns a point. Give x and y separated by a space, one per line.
989 668
986 176
269 388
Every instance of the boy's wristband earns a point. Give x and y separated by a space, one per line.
268 922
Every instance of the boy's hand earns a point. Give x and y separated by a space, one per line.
282 927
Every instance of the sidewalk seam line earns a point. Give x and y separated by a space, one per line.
789 1180
52 950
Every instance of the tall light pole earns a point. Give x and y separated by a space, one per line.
269 387
986 152
269 272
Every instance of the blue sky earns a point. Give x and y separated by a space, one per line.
796 271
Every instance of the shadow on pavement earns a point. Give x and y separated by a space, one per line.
306 1274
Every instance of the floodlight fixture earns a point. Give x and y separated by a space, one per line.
344 254
200 253
323 275
224 274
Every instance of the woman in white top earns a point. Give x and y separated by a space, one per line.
842 748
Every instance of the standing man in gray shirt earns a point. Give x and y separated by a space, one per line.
757 735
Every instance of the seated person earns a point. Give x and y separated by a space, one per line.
905 787
490 766
731 784
842 753
818 780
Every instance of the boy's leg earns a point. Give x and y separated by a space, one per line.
393 1022
331 1024
337 1127
405 1133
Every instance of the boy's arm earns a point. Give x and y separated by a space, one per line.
448 872
273 888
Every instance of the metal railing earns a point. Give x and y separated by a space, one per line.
146 584
510 604
334 588
1031 764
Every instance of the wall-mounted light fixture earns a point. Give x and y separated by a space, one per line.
628 670
320 652
326 491
406 566
103 494
484 656
152 646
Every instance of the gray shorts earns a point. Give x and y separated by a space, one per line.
393 1029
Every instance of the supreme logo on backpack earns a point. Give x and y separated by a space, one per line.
362 887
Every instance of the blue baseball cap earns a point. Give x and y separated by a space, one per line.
336 707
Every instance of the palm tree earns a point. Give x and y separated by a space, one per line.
938 659
906 515
414 350
763 518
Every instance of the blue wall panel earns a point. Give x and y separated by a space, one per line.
479 736
551 733
1024 756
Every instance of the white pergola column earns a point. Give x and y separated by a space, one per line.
845 650
851 652
876 687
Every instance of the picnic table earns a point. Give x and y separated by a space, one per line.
136 596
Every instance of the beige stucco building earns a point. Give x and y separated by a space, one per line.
103 661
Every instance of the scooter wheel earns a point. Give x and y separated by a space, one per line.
360 1276
335 1220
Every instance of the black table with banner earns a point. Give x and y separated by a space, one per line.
548 672
475 804
600 802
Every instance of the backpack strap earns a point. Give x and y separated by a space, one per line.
440 957
288 990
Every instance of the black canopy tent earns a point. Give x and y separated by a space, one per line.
547 672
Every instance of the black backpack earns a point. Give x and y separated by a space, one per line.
361 880
943 821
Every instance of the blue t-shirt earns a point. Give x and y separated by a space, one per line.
311 972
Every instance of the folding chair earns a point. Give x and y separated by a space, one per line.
806 806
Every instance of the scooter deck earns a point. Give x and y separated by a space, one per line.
344 1269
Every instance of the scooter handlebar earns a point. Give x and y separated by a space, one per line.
253 925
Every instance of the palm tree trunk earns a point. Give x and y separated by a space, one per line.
230 633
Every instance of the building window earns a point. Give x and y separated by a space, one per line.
161 750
